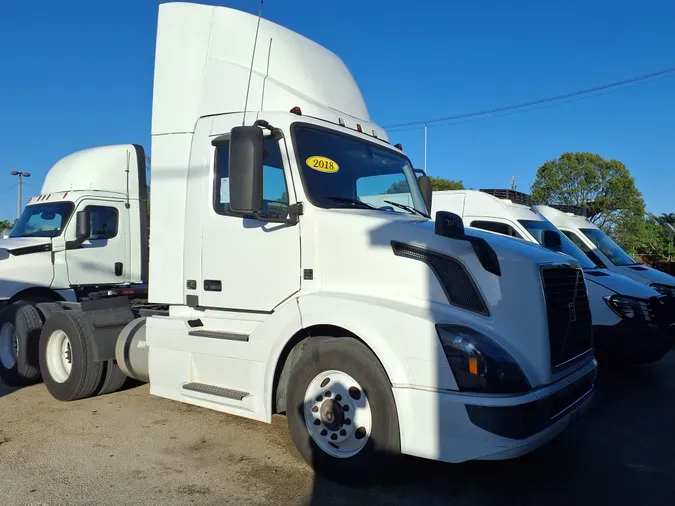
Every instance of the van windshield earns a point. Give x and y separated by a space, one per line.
536 228
343 171
611 249
42 220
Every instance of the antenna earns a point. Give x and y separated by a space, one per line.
250 72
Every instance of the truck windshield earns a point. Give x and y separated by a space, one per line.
536 228
603 242
343 171
42 220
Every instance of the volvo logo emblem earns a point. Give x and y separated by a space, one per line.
573 311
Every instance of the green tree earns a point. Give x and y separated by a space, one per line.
604 187
657 243
5 224
399 187
437 184
442 184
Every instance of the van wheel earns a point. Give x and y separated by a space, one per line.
113 378
68 368
341 411
20 326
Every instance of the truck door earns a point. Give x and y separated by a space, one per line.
248 263
104 258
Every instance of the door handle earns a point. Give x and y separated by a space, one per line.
119 268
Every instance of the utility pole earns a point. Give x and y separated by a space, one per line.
425 146
21 175
513 182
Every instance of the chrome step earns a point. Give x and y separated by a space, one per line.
227 393
228 336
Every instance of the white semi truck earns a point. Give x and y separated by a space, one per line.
571 220
376 331
632 323
42 262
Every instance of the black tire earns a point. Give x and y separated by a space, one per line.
27 324
86 375
352 357
46 309
113 378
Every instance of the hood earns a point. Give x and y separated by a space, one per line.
619 284
649 274
19 243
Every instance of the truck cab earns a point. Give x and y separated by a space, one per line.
375 329
603 250
621 308
43 260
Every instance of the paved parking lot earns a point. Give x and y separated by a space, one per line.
130 448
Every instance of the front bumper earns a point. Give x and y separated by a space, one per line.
637 343
456 427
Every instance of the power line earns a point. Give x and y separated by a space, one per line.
524 110
8 189
632 80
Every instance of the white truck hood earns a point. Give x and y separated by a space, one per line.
619 284
11 244
642 272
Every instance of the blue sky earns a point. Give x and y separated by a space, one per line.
75 74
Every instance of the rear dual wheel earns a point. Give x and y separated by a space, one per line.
69 370
20 325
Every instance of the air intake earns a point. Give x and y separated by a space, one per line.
457 283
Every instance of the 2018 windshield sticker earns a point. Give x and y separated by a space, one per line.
322 164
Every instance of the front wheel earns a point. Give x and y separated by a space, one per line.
341 411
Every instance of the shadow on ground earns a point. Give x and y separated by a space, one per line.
620 453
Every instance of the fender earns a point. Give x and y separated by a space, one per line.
393 349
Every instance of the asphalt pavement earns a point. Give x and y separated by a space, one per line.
131 448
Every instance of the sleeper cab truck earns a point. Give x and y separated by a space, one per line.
44 266
376 330
632 323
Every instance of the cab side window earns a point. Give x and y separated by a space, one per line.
104 222
275 193
494 226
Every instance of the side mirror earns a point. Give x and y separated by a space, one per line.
425 187
552 240
82 229
82 226
449 225
246 169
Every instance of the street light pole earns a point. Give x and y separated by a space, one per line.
21 175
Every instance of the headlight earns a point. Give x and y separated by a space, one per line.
664 289
478 363
629 307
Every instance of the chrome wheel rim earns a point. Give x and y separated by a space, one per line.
59 356
337 414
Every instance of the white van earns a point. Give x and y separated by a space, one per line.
603 250
621 308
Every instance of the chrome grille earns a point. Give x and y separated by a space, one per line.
570 328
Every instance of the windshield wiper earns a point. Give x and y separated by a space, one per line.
407 208
351 201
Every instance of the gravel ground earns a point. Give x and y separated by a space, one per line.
130 448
